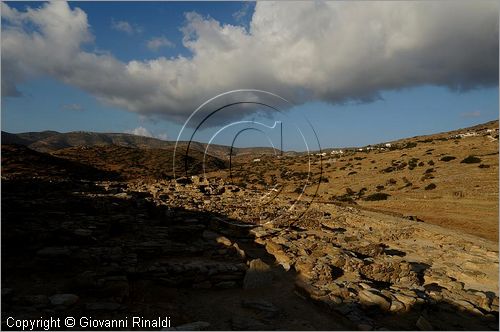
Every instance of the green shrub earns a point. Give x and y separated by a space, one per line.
471 160
410 145
448 158
391 181
427 176
388 169
377 197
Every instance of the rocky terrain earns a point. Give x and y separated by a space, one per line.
82 240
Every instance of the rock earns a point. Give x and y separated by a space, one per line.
265 308
83 232
86 279
54 252
7 293
464 304
226 284
209 235
392 272
277 250
304 266
123 196
34 300
194 326
259 232
239 251
63 299
114 286
184 181
103 306
224 241
423 324
305 289
371 250
244 323
258 275
334 300
408 301
365 327
323 272
204 284
371 298
397 306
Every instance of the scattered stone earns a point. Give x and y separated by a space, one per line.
103 306
226 284
63 299
423 324
194 326
265 308
397 306
365 327
244 323
371 298
258 275
54 252
83 232
224 241
34 300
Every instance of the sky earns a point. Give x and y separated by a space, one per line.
352 73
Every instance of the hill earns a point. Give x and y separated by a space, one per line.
48 141
51 141
449 179
21 162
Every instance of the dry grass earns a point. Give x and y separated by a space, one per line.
465 196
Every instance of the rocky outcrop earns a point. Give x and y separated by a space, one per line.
93 245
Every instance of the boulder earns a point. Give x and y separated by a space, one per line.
423 324
258 275
373 298
263 308
63 299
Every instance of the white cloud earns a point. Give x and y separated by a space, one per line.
126 27
154 44
140 131
473 114
329 51
163 136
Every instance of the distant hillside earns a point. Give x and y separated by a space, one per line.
133 163
48 141
480 129
21 162
51 141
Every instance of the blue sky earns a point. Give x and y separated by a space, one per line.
123 31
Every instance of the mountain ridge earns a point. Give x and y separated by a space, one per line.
51 141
